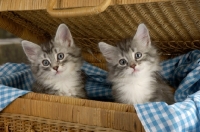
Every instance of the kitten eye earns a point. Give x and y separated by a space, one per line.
138 55
60 56
45 62
122 62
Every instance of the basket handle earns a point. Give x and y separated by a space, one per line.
75 12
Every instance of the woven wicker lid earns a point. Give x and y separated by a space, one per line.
174 25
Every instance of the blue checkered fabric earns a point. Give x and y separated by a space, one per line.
183 73
179 117
15 81
16 75
97 87
9 94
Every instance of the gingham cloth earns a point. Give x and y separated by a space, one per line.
179 117
96 85
13 76
182 72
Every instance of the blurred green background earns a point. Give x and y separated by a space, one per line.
10 49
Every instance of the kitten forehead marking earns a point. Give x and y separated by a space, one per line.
48 47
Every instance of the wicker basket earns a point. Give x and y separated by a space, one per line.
174 27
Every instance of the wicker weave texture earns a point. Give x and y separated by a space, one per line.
22 123
60 4
79 115
81 102
174 25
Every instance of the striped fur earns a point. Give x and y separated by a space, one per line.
67 79
138 80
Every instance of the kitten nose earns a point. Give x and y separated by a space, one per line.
133 66
55 68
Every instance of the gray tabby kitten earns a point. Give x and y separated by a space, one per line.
56 65
133 70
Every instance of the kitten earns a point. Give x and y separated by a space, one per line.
134 70
56 65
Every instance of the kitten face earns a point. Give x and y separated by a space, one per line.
131 57
55 58
56 62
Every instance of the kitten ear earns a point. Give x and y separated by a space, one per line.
63 35
108 51
142 35
31 50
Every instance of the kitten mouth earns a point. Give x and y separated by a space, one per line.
57 72
135 70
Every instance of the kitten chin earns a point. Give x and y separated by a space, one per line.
134 70
56 65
